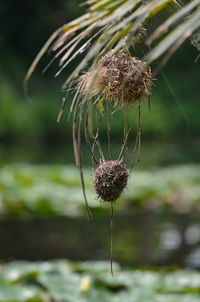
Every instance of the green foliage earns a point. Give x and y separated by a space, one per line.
89 281
28 191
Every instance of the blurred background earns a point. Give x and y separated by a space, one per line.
41 203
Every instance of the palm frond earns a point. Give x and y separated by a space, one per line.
163 28
175 38
118 24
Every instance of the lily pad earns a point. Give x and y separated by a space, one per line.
19 293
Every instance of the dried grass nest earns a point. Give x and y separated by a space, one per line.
119 77
110 179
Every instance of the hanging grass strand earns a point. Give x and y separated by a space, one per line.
111 236
78 156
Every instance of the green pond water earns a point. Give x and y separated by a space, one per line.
43 211
143 239
156 220
156 152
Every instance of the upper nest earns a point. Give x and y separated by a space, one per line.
120 77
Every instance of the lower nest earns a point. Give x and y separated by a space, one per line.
110 179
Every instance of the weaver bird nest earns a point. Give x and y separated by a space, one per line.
119 77
110 179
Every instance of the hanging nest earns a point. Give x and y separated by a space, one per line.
119 77
110 179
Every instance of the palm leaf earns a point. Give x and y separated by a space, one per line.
173 20
176 37
117 24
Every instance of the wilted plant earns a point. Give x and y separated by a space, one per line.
117 25
113 79
120 26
